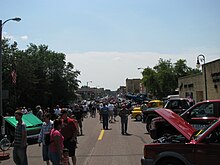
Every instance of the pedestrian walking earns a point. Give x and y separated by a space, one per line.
20 141
69 131
78 113
124 113
111 112
104 112
56 145
45 129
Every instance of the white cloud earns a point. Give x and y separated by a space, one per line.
110 69
25 37
117 58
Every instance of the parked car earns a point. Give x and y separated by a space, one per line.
199 115
155 103
175 104
136 113
33 126
190 147
151 106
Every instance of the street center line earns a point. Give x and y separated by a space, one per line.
101 134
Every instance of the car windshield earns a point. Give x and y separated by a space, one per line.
199 133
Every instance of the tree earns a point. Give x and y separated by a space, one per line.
150 81
166 77
162 80
43 76
180 68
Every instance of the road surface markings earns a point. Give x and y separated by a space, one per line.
101 134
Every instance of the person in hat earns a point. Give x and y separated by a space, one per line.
69 132
20 141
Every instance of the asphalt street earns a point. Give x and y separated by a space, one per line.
101 147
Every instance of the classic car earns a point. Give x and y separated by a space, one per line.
136 113
190 147
33 126
175 104
199 115
151 105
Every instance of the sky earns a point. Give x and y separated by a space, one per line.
108 40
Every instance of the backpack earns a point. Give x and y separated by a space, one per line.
47 139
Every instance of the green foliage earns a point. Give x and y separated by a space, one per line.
43 76
162 80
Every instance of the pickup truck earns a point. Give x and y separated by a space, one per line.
199 115
178 105
190 147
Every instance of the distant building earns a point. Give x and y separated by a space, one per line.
194 85
121 90
88 93
133 86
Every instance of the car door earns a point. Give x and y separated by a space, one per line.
202 114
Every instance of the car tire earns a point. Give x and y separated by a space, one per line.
148 122
148 125
170 161
138 117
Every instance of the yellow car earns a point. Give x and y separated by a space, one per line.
136 113
155 103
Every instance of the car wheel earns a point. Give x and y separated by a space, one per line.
148 124
170 161
138 117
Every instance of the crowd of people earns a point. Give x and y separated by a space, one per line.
63 125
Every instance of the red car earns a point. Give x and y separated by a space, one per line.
191 147
199 116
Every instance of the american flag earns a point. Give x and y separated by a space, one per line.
13 76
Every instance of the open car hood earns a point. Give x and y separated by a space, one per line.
176 121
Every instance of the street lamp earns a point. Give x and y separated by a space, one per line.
1 26
201 58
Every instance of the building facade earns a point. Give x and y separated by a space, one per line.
194 86
133 86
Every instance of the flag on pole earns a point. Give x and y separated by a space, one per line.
13 76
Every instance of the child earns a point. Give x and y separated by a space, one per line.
65 160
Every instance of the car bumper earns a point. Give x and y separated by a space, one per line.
146 161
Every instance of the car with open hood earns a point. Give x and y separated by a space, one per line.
199 115
190 147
